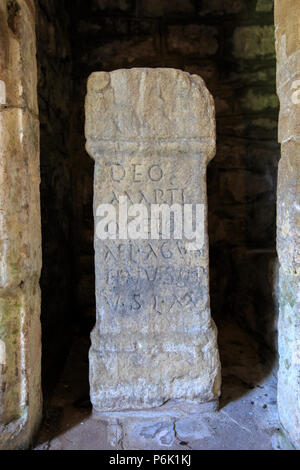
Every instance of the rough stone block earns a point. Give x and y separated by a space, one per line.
20 229
152 134
288 196
113 5
288 221
125 52
289 95
18 46
287 25
20 254
165 8
221 7
193 39
253 41
20 366
264 6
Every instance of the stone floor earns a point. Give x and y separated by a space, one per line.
246 419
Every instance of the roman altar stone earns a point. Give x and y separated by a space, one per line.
151 133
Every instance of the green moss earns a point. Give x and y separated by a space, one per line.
251 42
14 263
264 5
259 100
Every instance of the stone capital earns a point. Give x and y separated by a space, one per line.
149 110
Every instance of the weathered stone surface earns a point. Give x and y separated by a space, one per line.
287 22
194 39
112 5
17 30
164 8
221 7
154 338
250 421
252 41
288 244
20 229
139 47
264 5
150 434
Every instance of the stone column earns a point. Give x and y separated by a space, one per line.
20 227
152 134
287 22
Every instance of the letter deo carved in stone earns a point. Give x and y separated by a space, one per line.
151 133
119 172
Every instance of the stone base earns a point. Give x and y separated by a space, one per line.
20 434
171 409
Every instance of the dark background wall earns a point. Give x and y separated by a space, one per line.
55 90
230 43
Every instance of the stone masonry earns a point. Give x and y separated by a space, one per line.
20 228
287 23
152 134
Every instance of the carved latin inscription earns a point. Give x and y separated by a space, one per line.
151 133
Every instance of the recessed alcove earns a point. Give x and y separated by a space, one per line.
247 53
231 46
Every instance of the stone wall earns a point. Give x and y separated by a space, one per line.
20 228
287 21
54 94
231 45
